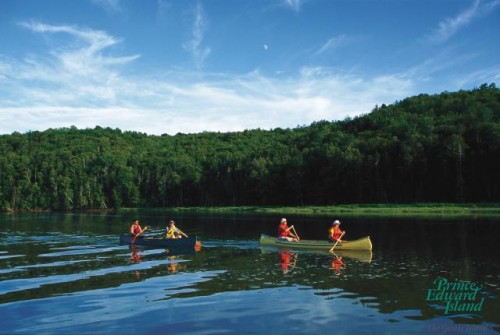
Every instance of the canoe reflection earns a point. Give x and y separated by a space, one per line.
337 260
359 255
174 257
364 256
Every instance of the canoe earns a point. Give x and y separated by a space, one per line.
361 244
157 242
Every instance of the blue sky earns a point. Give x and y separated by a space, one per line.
170 66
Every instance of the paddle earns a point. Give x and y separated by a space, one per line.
135 237
180 231
331 250
295 232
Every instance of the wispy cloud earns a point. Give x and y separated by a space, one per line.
490 74
332 43
450 26
194 45
78 72
96 40
293 4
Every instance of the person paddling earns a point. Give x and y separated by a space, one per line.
136 229
334 233
284 232
173 231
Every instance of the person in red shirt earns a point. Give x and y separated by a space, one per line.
284 232
135 229
334 233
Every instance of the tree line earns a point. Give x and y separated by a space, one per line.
426 148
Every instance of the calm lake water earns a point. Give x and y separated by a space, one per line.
67 274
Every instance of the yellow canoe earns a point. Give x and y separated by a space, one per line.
360 244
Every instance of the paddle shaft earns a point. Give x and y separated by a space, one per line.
180 231
337 242
135 237
142 231
295 232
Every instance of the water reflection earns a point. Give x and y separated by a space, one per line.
364 256
135 255
337 264
288 260
47 271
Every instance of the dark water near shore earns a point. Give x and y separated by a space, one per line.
67 274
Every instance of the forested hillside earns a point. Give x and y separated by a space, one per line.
439 148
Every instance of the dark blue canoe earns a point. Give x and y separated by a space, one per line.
158 242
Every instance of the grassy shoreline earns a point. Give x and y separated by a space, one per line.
490 210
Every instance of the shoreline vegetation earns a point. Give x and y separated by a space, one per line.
439 149
486 210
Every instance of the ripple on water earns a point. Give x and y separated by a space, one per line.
82 250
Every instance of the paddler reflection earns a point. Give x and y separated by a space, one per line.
135 256
338 264
174 265
288 260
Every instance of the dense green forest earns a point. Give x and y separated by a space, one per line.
426 148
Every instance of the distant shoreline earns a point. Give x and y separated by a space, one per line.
421 210
486 210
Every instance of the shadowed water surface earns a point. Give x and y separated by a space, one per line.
67 274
